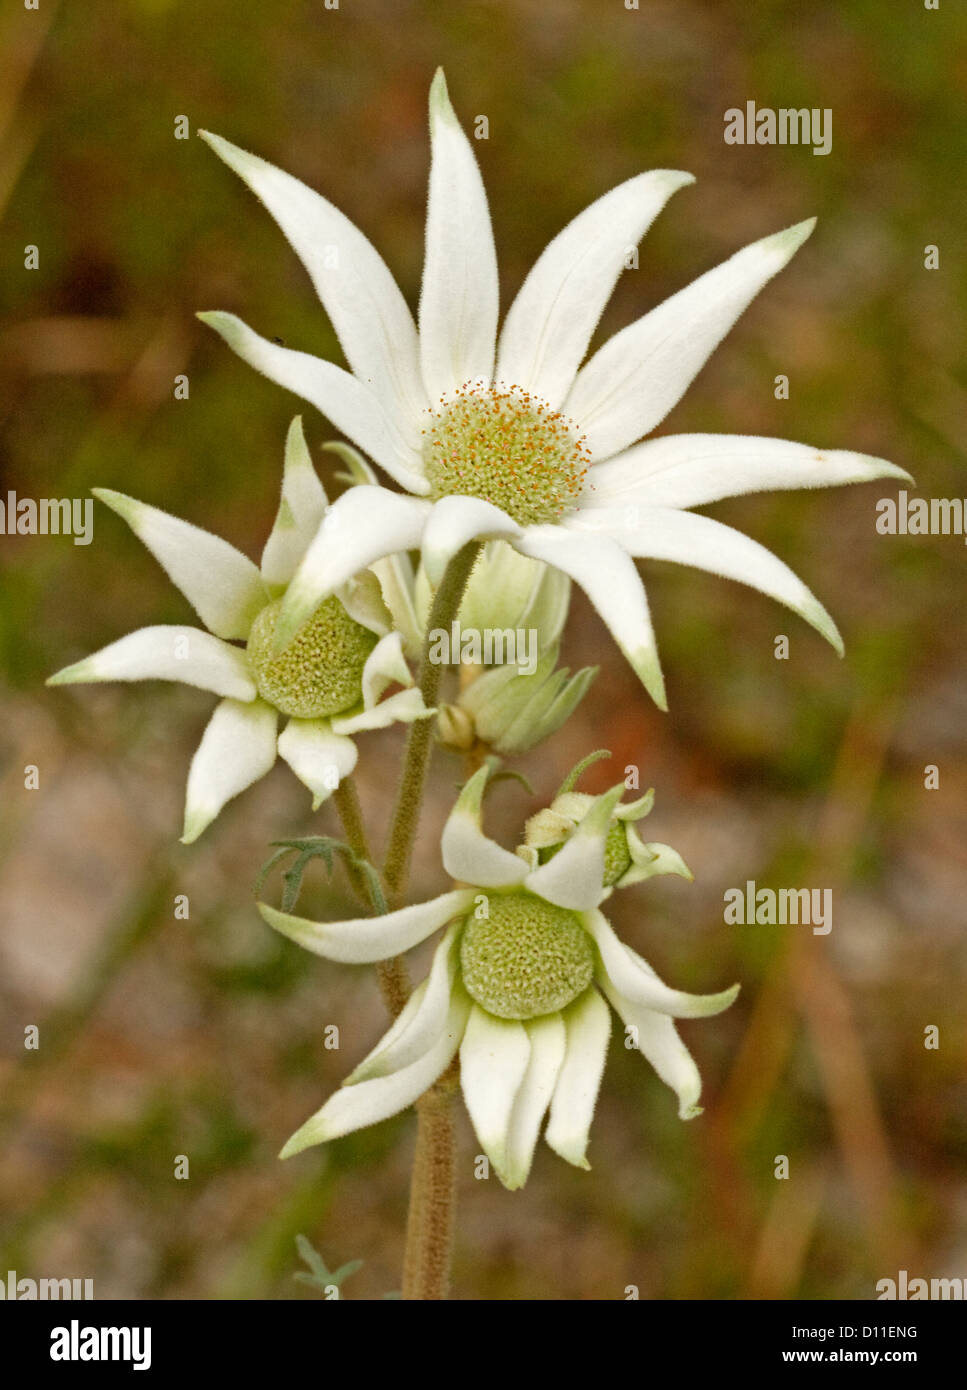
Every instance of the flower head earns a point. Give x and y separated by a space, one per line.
518 986
511 437
331 682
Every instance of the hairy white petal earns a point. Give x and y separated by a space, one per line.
364 525
370 315
685 538
574 877
547 1042
691 470
657 1039
458 303
301 509
608 576
550 323
184 654
367 1102
318 757
237 748
366 939
493 1059
631 384
221 584
588 1024
470 856
351 404
424 1022
634 978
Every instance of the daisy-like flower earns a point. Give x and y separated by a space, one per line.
511 437
518 986
330 682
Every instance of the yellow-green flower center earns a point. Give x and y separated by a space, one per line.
526 958
320 672
508 447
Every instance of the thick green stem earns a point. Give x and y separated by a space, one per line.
409 797
393 976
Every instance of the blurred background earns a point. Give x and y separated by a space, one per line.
204 1037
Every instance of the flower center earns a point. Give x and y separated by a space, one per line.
508 447
526 958
320 672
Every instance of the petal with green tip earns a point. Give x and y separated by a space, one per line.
657 1039
367 1102
366 939
635 979
685 538
470 856
301 509
185 654
221 584
631 383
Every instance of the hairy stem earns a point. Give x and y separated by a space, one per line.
409 796
431 1220
393 976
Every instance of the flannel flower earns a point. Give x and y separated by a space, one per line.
511 437
517 986
331 681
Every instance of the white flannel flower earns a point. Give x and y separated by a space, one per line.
517 986
330 682
513 438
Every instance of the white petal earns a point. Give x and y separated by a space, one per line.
236 749
318 757
470 856
368 312
408 1040
368 1102
366 939
636 980
547 1040
493 1059
402 708
165 653
352 405
691 470
608 576
550 323
685 538
658 1041
631 384
365 524
650 860
221 584
385 666
588 1024
458 303
574 877
301 509
453 522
